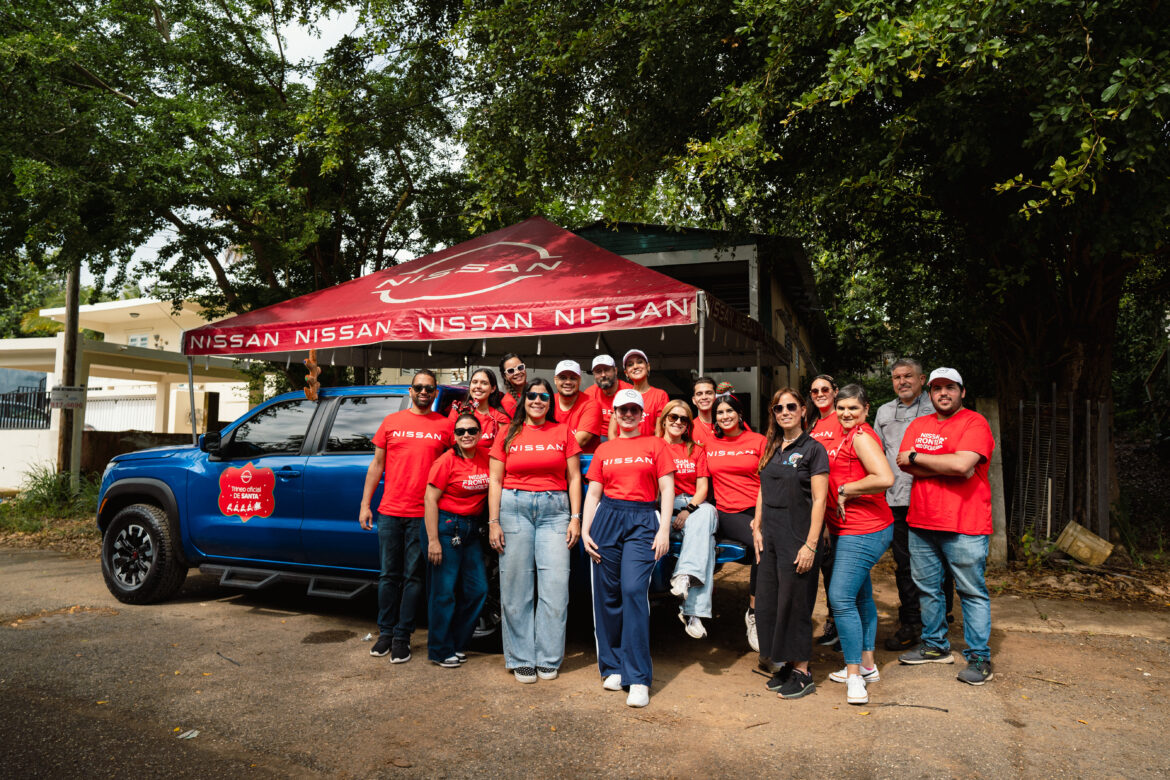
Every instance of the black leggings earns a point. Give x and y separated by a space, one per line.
738 526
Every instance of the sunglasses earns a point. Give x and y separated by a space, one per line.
466 431
791 406
628 409
420 389
534 396
515 370
677 418
820 390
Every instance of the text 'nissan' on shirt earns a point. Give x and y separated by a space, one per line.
412 443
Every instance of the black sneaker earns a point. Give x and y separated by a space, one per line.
382 646
907 635
925 654
461 656
779 678
978 671
829 638
799 684
400 651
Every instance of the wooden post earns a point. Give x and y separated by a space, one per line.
69 372
998 547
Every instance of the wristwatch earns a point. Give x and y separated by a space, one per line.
690 507
912 456
841 490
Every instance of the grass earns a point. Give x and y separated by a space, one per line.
45 497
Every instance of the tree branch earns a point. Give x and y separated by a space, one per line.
93 79
221 278
402 201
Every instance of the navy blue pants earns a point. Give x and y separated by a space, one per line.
624 533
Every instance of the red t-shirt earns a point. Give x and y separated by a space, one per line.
491 424
863 514
584 415
704 434
654 401
605 401
628 468
828 432
464 482
687 468
412 443
509 404
734 465
536 458
954 504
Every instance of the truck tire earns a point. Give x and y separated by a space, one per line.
139 562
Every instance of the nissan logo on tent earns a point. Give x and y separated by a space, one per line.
454 277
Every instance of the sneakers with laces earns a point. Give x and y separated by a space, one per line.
753 638
400 651
978 671
612 683
907 635
855 692
639 696
447 663
925 654
869 675
680 584
692 625
829 638
546 673
525 674
798 684
382 646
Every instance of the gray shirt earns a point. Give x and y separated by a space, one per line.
891 422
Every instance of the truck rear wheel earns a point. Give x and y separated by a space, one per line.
139 562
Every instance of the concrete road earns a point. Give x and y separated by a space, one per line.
278 684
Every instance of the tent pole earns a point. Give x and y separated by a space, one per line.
700 301
191 397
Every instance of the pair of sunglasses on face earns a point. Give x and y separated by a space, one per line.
628 409
677 418
514 370
420 389
791 406
532 395
466 431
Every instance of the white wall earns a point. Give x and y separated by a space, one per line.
24 449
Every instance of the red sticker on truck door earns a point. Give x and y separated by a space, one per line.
247 492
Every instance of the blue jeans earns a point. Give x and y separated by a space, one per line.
697 556
452 613
851 590
932 553
534 577
400 583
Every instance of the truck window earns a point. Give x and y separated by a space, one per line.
357 420
279 428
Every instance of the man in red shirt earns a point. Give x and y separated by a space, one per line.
405 446
605 387
577 410
948 453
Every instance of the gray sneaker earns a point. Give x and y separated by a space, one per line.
978 671
925 654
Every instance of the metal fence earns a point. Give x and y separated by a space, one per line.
1062 467
25 408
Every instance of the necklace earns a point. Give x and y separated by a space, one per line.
789 441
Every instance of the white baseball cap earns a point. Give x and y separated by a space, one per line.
568 365
603 360
628 396
633 352
946 374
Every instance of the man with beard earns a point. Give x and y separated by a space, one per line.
405 446
605 387
577 410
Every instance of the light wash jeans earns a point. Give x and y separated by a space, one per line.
697 556
851 590
932 554
534 577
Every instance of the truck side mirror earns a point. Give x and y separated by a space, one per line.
210 442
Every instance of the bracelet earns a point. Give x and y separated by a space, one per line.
811 549
494 522
690 508
574 517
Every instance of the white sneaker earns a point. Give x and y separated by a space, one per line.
639 696
749 618
692 625
680 584
869 675
546 673
613 683
856 692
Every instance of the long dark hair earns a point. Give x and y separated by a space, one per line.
504 376
813 413
520 414
775 432
495 396
734 403
474 419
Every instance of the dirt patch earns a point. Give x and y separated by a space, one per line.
76 537
55 615
1150 586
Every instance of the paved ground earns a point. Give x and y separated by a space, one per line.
281 685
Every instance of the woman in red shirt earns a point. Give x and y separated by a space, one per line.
483 398
733 458
826 429
534 519
862 529
630 476
515 376
694 520
453 505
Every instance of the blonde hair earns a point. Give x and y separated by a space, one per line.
660 424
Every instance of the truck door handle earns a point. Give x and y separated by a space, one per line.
288 473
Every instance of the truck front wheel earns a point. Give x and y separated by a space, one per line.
139 562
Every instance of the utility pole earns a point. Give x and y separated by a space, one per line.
65 457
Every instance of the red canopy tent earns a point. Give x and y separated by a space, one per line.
532 288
